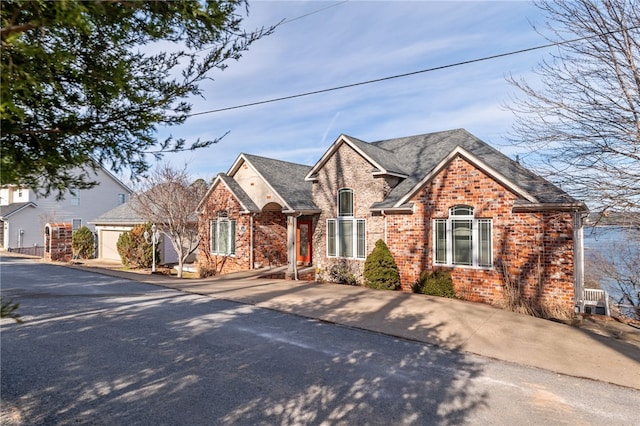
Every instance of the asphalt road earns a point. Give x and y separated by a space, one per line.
100 350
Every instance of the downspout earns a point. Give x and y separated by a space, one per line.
251 241
295 247
384 215
578 253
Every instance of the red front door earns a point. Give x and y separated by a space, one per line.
303 242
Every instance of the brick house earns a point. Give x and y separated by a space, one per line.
249 216
439 200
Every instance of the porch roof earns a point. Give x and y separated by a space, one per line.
287 180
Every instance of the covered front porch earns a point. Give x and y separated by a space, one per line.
300 227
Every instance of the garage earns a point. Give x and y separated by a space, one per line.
108 239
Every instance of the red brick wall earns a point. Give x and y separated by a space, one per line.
533 251
58 243
269 230
270 238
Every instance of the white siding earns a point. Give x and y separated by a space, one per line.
92 203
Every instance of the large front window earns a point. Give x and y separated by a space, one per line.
223 236
346 238
462 240
346 235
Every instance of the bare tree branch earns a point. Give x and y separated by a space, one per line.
581 124
168 199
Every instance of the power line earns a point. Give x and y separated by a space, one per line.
282 22
377 80
286 21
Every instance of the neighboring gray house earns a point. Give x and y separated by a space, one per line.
24 214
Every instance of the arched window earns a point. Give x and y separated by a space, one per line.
462 240
345 202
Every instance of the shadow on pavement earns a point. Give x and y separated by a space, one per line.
154 356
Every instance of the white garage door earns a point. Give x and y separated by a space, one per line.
108 247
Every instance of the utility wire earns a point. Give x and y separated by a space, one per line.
286 21
282 22
377 80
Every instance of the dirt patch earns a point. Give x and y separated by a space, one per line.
622 329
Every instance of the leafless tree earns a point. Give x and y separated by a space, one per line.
616 267
581 122
168 199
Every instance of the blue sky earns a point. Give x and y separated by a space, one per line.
357 41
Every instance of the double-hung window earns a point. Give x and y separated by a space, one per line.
463 240
223 236
74 196
346 235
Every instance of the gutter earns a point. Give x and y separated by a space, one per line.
397 210
558 207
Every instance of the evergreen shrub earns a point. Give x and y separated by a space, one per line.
83 243
134 250
380 269
436 283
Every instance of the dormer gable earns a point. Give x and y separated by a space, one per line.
383 162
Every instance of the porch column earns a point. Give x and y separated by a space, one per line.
578 257
292 266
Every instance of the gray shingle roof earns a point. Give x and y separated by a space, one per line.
287 179
419 155
124 214
383 157
239 193
8 210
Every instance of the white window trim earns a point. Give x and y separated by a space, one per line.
343 191
231 237
74 198
336 221
475 241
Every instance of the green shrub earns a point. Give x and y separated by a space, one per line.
437 283
83 243
380 269
134 250
8 310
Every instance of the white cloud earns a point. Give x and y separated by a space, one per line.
355 42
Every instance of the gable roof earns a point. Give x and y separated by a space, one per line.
124 214
115 179
423 154
286 180
245 201
383 161
417 159
13 208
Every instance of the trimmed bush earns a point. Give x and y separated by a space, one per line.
83 243
134 250
437 283
380 269
341 273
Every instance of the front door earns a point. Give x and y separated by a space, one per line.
303 242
